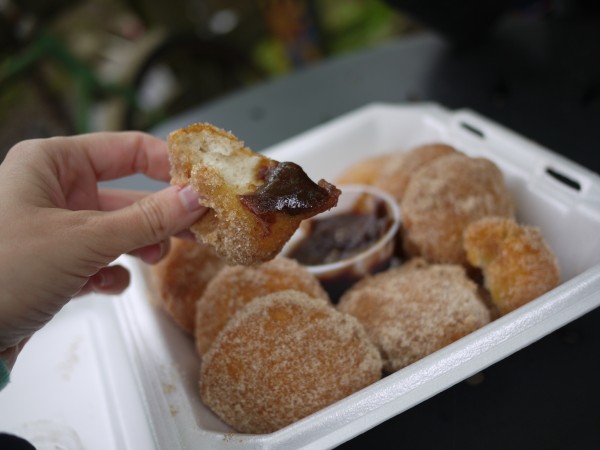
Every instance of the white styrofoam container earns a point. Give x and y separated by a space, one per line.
117 373
570 220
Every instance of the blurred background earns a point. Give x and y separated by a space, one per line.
72 66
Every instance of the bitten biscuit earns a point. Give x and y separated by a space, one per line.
518 265
256 203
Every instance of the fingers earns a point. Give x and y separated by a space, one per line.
118 154
110 199
153 219
151 254
109 280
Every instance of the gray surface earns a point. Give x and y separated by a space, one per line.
271 112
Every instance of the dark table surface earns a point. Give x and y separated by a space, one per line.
539 78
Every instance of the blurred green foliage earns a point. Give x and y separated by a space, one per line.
115 37
353 24
341 27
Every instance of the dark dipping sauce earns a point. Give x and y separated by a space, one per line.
287 189
341 236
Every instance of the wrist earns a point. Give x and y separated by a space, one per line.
4 372
9 355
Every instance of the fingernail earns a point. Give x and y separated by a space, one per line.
189 198
101 279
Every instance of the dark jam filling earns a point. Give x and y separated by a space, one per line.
287 189
341 236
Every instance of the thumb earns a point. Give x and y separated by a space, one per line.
150 220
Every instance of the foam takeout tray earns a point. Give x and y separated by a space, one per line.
160 364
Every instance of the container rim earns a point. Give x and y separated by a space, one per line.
393 210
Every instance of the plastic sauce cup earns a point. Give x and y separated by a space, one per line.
363 213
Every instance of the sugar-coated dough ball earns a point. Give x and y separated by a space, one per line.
181 277
518 266
235 286
415 309
282 357
442 198
397 171
367 170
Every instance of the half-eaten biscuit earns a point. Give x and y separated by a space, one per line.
256 203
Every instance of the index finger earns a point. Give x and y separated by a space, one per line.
118 154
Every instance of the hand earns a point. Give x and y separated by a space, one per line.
59 231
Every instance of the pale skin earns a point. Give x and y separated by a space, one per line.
60 232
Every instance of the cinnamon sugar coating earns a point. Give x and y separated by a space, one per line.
181 277
235 286
518 265
397 171
442 198
367 170
415 309
224 171
283 357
